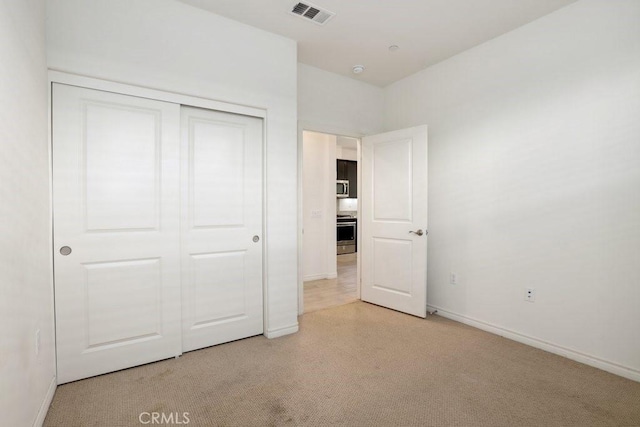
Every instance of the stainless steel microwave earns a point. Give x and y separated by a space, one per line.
342 188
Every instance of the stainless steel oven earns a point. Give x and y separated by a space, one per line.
347 235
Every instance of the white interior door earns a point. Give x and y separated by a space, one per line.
116 209
394 220
221 227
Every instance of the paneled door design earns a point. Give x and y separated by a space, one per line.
394 220
221 227
157 229
116 201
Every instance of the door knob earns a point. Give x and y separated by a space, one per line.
65 250
256 239
419 232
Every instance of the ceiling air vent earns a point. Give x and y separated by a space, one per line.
312 12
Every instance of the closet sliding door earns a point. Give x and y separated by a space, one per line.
116 195
221 227
158 229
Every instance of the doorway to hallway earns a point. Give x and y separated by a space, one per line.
330 212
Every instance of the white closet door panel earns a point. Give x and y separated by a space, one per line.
217 174
121 164
221 212
116 205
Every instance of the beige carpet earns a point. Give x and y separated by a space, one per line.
359 365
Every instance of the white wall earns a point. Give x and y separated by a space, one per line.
26 300
337 104
534 178
344 153
319 206
167 45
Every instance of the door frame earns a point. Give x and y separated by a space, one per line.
61 77
331 130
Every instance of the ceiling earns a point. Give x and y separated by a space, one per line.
426 31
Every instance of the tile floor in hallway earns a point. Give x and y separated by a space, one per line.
319 294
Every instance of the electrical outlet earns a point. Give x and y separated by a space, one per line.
37 342
453 278
530 294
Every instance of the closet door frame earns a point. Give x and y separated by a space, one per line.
183 100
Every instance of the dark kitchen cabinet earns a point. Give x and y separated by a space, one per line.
342 169
352 176
348 169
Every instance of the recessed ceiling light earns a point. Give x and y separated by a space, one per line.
357 69
393 48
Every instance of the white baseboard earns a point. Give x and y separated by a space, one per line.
44 408
280 332
614 368
319 277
